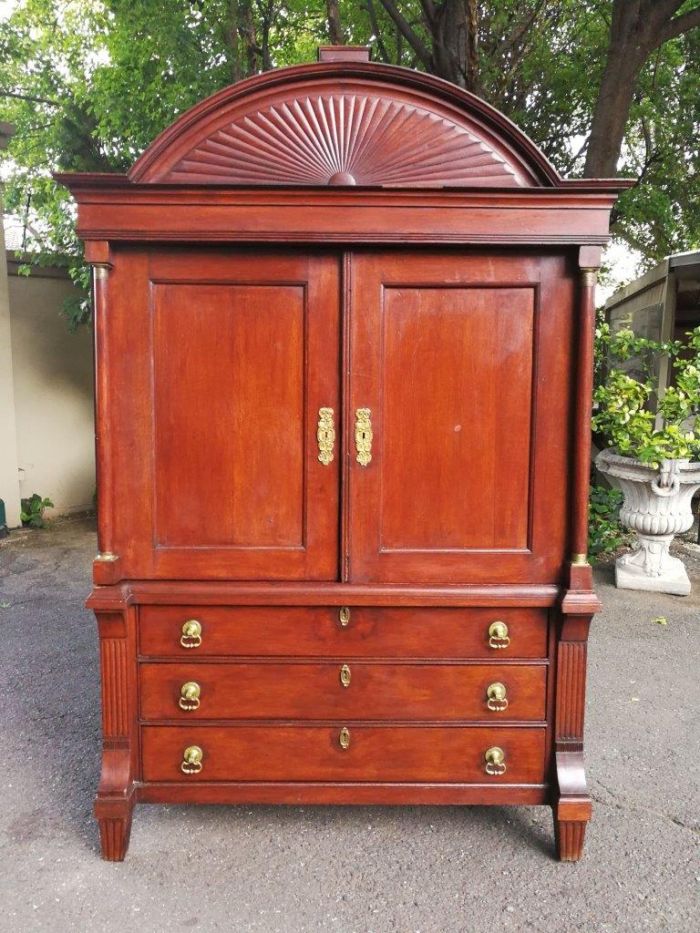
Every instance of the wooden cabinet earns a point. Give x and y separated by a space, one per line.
343 321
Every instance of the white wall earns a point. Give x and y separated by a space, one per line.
53 392
9 477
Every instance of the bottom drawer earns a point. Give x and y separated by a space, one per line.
354 753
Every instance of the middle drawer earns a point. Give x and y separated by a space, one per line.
331 690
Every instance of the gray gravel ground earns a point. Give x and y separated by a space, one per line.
332 868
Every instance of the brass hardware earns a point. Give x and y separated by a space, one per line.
579 560
498 635
192 760
101 270
189 696
325 434
496 699
344 738
345 675
363 436
495 759
344 616
191 634
589 277
106 556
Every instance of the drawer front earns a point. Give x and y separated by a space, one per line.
332 690
318 632
314 753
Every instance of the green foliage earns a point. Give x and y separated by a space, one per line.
32 513
605 533
88 84
623 403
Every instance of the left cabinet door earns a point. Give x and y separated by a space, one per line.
216 365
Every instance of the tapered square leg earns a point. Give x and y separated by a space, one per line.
570 836
114 837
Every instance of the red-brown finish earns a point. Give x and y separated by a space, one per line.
388 691
337 594
382 126
317 632
474 512
343 235
343 792
344 53
393 752
217 470
584 398
120 753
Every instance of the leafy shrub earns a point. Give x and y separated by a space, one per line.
605 533
32 513
623 404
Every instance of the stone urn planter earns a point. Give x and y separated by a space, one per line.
657 507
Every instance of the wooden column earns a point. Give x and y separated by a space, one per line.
106 566
115 794
572 808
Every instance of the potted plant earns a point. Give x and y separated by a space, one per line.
652 456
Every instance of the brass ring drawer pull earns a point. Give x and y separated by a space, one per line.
344 738
495 759
192 759
345 675
325 435
344 616
498 635
191 634
496 697
189 696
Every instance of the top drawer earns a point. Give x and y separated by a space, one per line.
324 631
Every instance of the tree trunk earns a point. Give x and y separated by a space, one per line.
611 112
335 30
450 35
637 28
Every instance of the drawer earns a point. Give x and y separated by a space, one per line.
314 753
317 632
332 690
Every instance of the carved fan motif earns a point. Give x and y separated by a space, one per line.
345 139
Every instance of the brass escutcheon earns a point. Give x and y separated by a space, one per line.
363 436
498 635
345 675
496 698
344 738
325 435
191 634
495 759
189 696
192 758
344 616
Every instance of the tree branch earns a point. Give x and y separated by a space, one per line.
678 25
409 35
29 97
374 26
428 11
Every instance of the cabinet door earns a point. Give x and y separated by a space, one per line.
464 362
219 363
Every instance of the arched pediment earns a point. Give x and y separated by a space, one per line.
341 124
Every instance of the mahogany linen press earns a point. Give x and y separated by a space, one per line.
344 326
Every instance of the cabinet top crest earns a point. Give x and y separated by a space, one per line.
326 151
344 123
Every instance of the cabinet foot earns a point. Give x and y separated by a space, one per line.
114 837
570 836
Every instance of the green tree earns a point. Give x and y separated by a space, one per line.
89 83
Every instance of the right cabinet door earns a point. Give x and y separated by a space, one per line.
461 370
